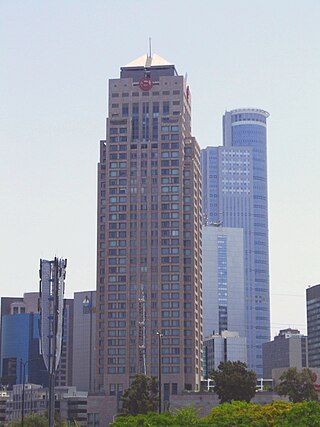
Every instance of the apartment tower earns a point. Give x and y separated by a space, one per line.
235 194
149 233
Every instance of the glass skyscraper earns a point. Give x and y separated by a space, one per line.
223 280
235 194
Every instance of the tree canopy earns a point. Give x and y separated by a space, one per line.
38 420
141 397
242 414
233 381
298 386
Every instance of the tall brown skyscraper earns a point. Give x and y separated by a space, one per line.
149 233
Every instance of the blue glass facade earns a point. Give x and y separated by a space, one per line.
20 345
222 283
235 193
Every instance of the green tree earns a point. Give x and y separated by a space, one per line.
298 386
38 420
246 414
233 381
184 417
301 414
32 420
141 397
242 414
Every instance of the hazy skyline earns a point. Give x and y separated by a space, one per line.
56 62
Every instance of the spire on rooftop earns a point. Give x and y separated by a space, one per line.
145 60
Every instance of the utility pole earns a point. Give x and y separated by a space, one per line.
52 276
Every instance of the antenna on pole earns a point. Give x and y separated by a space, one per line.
150 50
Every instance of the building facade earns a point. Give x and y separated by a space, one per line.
227 346
84 336
234 178
287 350
19 348
63 376
70 404
20 342
223 280
313 325
149 232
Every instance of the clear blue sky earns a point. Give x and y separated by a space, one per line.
56 58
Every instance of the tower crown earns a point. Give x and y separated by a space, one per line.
148 61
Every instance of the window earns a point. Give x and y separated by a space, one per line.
165 107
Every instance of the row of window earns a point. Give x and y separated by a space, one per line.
153 93
124 130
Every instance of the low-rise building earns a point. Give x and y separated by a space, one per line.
222 347
3 405
287 350
69 403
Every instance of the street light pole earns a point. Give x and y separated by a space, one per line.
160 335
23 389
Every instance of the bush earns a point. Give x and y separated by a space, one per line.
235 414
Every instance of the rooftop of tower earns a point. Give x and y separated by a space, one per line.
250 110
151 66
148 61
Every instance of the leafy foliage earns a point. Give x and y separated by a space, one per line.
233 381
298 386
185 417
141 397
248 414
37 420
301 415
32 420
242 414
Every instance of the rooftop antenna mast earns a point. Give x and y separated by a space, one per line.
150 48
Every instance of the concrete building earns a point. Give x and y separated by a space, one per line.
149 267
228 346
70 404
84 336
223 280
313 325
4 396
287 350
234 178
64 371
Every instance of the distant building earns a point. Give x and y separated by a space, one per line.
287 350
69 403
19 342
84 327
64 371
4 395
228 346
223 282
313 325
235 193
19 349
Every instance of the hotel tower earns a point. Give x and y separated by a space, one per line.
149 278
